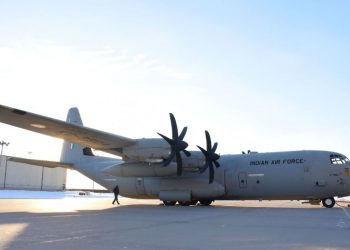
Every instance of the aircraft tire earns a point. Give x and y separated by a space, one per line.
193 203
328 202
169 203
205 202
184 203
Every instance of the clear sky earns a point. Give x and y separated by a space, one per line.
259 75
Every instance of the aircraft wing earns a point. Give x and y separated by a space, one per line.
82 135
47 164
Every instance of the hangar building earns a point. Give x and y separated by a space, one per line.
14 175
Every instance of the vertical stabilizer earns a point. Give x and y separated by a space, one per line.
72 153
74 117
82 158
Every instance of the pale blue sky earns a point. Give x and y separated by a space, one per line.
259 75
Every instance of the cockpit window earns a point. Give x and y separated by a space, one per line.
338 159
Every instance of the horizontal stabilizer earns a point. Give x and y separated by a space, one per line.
47 164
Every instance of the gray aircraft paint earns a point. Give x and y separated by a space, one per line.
236 179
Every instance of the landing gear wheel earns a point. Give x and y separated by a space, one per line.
193 203
169 203
184 203
328 202
205 202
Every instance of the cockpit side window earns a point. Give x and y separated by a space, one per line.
337 159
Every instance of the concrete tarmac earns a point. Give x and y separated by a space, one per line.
84 223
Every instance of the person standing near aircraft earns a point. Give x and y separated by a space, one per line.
116 193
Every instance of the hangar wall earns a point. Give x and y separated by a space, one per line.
14 175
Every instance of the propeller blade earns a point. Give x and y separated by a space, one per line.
170 141
211 172
214 147
169 159
216 164
173 127
207 136
202 170
188 154
183 133
203 150
179 163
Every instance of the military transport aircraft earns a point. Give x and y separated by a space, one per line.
162 168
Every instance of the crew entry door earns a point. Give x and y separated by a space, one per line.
140 188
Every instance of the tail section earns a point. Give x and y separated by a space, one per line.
73 153
83 160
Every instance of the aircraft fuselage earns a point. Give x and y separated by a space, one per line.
301 175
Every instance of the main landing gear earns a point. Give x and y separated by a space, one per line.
328 202
188 203
169 203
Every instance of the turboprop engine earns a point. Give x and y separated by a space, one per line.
140 169
147 169
147 150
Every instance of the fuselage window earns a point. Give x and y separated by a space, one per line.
337 159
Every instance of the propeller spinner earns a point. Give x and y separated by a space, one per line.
177 145
210 157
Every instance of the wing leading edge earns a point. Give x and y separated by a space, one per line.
82 135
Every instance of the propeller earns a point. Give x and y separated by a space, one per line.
210 157
177 145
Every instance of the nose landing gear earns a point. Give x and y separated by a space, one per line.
328 202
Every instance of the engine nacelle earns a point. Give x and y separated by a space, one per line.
194 162
145 169
141 170
147 150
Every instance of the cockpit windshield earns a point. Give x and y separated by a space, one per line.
338 159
